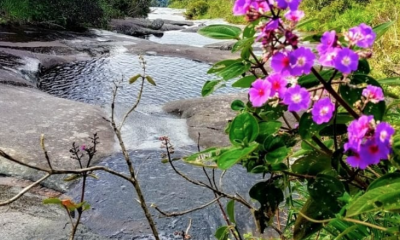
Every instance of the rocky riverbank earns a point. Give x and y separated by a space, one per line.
26 113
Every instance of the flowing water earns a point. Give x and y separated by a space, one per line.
115 212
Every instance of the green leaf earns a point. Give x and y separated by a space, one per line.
305 22
277 155
237 105
231 157
329 130
244 82
312 38
307 126
249 30
206 158
222 233
350 94
245 54
277 167
234 70
150 80
221 65
72 177
304 228
230 210
312 164
209 87
242 43
363 67
276 149
394 81
375 109
269 197
92 175
383 198
134 78
220 31
244 128
385 180
86 206
269 128
52 201
381 29
325 189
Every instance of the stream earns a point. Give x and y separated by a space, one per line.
115 212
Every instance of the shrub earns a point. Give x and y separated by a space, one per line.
196 9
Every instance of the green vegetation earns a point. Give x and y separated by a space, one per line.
215 9
71 14
343 14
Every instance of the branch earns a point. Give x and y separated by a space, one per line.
174 214
63 171
20 194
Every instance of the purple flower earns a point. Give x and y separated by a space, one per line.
273 24
373 94
278 84
346 61
323 110
368 145
328 58
280 63
383 133
297 98
357 130
259 92
294 16
371 152
242 7
301 61
292 4
356 161
362 36
328 40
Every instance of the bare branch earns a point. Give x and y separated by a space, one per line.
25 190
174 214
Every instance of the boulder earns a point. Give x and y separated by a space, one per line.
156 24
27 113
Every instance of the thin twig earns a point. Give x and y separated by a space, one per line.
21 193
174 214
46 155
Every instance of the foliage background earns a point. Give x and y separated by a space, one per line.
70 13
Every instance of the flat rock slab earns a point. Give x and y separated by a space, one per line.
28 218
207 116
27 113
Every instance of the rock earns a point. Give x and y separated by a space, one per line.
27 113
224 45
171 27
207 116
192 29
179 23
133 27
28 218
156 24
